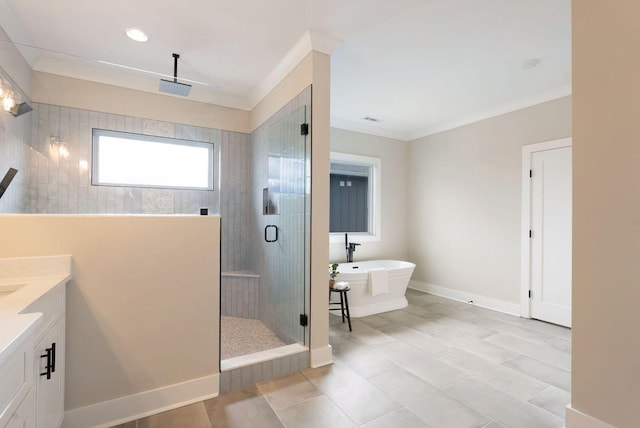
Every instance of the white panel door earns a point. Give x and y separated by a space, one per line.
551 236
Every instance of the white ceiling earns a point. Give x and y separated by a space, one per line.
420 66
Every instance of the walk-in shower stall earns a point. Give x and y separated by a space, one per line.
265 244
259 183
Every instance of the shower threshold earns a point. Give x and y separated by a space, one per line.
258 357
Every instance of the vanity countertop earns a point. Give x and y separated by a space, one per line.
24 280
31 289
14 330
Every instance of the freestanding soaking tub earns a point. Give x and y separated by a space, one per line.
361 302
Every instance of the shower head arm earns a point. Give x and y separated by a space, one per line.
175 67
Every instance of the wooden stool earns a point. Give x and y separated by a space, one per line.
344 304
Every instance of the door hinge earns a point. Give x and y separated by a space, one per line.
530 234
529 293
304 129
530 173
303 320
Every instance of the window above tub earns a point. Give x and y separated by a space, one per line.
354 197
136 160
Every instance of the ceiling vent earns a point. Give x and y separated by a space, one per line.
173 86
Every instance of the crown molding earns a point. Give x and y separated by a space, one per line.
490 113
416 134
311 40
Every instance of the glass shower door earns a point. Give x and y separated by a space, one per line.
286 227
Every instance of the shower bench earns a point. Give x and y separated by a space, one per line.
239 294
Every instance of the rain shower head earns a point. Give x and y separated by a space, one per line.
173 86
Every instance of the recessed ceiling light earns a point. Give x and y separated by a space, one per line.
137 35
530 63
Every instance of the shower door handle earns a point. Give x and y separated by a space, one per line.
266 233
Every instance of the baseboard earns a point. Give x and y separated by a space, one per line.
321 357
136 406
577 419
463 296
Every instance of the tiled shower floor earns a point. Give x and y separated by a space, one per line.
242 336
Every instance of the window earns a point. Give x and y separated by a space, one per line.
355 197
135 160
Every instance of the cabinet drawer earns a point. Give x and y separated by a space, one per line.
52 307
25 416
17 377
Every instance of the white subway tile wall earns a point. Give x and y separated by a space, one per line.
63 184
15 153
237 238
244 376
239 296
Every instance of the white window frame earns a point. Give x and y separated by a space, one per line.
133 137
375 197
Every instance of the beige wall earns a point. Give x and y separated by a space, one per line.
142 308
83 94
394 194
465 197
606 207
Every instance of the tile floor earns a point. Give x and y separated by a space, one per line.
437 363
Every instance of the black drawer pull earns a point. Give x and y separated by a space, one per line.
47 355
53 357
50 355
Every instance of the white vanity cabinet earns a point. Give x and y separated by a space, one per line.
32 340
49 356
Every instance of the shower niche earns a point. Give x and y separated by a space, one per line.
270 205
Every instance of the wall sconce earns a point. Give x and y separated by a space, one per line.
59 146
7 100
11 99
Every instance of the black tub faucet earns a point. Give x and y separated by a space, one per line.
350 247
